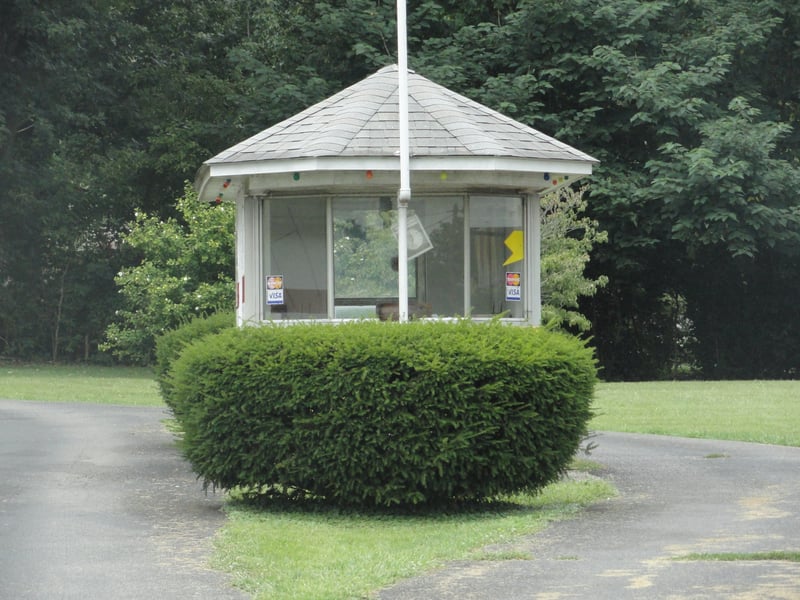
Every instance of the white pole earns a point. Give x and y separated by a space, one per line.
404 195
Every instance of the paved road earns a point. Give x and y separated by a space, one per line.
95 502
678 496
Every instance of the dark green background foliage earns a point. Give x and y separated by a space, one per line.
170 344
692 106
373 413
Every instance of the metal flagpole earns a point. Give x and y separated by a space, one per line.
404 194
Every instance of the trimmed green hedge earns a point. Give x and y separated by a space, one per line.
170 344
378 413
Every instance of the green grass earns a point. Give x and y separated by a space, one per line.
585 465
749 411
782 555
129 386
295 554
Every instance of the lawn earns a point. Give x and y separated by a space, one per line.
281 554
131 386
750 411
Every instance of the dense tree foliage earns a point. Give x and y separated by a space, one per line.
692 106
185 270
568 237
105 106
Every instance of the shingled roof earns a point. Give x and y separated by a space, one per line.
356 131
362 120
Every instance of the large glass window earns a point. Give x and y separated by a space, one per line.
497 265
337 257
295 258
365 256
440 269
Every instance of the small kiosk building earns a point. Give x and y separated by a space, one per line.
316 206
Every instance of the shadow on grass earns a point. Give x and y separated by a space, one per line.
565 495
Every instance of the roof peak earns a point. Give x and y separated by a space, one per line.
394 67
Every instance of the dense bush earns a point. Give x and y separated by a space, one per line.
170 344
182 268
384 413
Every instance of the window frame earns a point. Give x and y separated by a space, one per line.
467 197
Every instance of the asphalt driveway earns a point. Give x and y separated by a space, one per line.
95 502
677 497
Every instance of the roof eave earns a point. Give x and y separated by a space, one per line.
392 163
365 174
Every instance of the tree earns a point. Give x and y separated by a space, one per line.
184 268
55 235
105 105
711 184
568 236
693 117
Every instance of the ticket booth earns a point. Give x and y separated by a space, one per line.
316 198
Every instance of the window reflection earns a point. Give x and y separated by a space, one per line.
295 249
492 221
363 267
